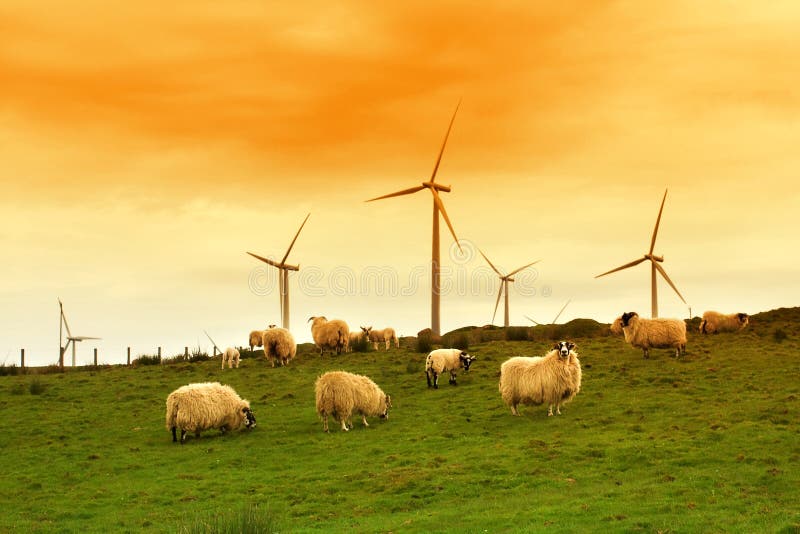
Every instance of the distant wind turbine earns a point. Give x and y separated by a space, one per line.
212 342
504 280
62 348
654 266
564 307
438 207
283 275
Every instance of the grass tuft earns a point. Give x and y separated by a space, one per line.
779 335
36 387
251 519
424 343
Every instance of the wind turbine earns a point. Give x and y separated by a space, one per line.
212 342
504 280
654 266
70 338
283 275
564 307
438 207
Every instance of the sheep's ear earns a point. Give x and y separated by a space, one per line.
571 345
310 319
556 346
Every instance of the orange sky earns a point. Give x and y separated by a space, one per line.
146 148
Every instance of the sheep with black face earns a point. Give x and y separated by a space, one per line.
203 406
441 360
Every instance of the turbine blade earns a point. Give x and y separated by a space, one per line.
531 320
490 263
212 341
440 204
295 239
512 273
658 221
64 318
408 191
441 151
265 260
562 311
664 274
496 304
83 338
631 264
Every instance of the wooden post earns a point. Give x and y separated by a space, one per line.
186 352
159 354
129 356
95 357
22 358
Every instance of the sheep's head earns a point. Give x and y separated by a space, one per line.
271 326
250 419
564 348
366 329
387 403
466 360
626 318
744 319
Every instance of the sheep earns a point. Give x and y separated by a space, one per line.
341 394
279 346
715 322
441 360
616 327
256 339
231 356
333 335
198 407
427 332
654 333
354 338
554 379
386 336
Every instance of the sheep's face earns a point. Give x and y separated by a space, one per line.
387 403
744 319
466 360
626 318
365 330
564 348
250 419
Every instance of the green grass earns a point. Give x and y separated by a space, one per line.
708 443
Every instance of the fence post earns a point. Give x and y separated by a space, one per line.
186 352
22 358
129 356
159 355
95 357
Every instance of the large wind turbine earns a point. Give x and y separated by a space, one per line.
438 207
504 280
62 349
283 276
654 266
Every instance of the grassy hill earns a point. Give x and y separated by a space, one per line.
706 443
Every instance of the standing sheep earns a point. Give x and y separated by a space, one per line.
554 379
654 333
341 394
385 336
715 322
231 356
333 335
441 360
279 346
198 407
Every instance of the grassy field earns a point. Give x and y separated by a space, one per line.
705 444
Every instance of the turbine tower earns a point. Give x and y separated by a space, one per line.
283 276
655 266
438 207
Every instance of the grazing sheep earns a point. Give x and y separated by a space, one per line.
256 339
441 360
341 394
616 326
654 333
715 322
554 379
385 336
333 335
231 356
198 407
279 346
427 332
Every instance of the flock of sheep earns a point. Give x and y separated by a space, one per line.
553 379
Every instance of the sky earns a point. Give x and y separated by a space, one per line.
145 148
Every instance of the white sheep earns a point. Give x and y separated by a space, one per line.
654 333
554 379
279 346
385 336
340 395
198 407
231 356
715 322
441 360
333 335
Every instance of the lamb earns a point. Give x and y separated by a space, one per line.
386 336
654 333
441 360
231 356
715 322
341 394
198 407
333 335
554 379
279 346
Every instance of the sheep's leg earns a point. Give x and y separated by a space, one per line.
387 344
452 378
549 410
514 410
435 380
364 418
428 378
174 435
183 436
558 409
646 354
325 422
344 425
